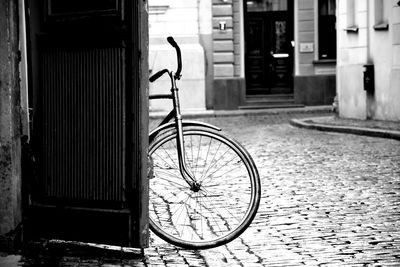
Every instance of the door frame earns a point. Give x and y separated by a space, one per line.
290 16
135 233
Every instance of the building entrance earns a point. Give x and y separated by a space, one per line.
88 134
269 49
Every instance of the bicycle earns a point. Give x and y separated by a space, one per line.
205 189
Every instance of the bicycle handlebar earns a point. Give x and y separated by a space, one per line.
177 75
157 75
178 55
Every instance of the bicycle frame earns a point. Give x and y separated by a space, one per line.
176 113
178 125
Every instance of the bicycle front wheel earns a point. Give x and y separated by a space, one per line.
224 204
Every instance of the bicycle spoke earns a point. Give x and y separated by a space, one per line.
214 218
168 184
168 173
207 153
221 175
198 156
227 209
201 223
174 166
191 149
177 208
215 162
206 169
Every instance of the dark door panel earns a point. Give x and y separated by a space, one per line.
104 226
87 137
269 53
83 135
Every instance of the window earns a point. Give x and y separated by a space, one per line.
266 5
351 16
327 29
64 7
381 22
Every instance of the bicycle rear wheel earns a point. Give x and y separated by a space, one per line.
224 205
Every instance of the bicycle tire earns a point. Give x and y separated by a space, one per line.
228 198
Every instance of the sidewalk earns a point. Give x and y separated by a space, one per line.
190 114
374 128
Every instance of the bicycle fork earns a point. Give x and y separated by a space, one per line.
187 176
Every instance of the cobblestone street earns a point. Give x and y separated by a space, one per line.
328 199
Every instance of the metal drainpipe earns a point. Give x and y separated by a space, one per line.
369 95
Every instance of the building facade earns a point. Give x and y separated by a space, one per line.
249 53
368 73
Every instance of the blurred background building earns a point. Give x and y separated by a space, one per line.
369 59
241 54
247 54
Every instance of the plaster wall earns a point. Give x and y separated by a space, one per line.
351 95
229 87
191 86
206 41
352 55
189 22
369 46
385 55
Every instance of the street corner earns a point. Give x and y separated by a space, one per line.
373 128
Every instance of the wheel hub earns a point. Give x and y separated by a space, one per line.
195 187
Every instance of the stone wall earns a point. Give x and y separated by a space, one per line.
10 145
227 43
229 85
223 39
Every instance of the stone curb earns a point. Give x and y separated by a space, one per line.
245 112
308 123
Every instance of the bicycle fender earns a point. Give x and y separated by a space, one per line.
184 123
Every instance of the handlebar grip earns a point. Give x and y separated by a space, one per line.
157 75
178 55
172 42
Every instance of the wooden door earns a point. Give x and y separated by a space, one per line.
269 52
88 133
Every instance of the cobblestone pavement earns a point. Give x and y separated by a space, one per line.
328 199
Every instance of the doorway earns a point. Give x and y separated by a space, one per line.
88 138
269 49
